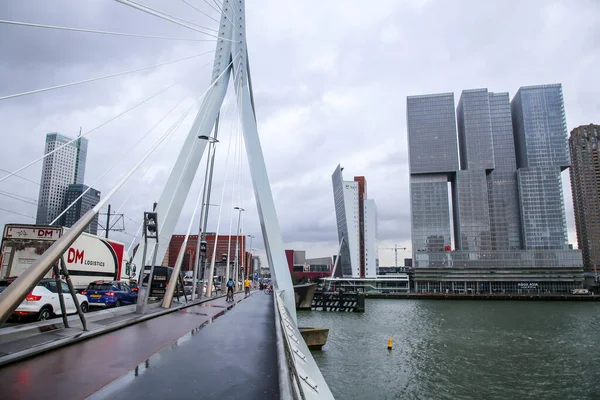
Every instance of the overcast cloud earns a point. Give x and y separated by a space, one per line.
330 81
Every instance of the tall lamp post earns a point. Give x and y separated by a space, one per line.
237 247
201 242
249 267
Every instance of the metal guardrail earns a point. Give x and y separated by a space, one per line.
299 375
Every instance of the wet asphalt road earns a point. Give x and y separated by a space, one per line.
233 352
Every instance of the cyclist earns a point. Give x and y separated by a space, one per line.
230 289
247 286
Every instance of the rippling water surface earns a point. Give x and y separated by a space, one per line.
462 350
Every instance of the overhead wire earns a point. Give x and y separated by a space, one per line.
150 165
19 195
67 28
103 77
18 176
125 154
218 78
14 212
88 132
6 194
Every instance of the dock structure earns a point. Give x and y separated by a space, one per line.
339 301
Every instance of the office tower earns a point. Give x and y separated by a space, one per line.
505 220
585 187
486 211
356 218
433 159
540 132
83 205
60 169
507 206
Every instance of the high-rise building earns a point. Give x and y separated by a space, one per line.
433 160
356 218
61 168
508 213
540 132
83 205
585 187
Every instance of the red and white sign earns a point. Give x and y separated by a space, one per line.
32 232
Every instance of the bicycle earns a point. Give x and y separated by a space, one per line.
269 290
229 295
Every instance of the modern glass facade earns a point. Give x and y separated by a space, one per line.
543 221
475 130
357 225
471 210
345 196
540 127
540 131
432 134
430 212
503 196
585 187
83 205
507 203
82 145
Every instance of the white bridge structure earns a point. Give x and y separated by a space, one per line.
299 375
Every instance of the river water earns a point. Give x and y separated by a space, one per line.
461 349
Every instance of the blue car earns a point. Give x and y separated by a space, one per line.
110 294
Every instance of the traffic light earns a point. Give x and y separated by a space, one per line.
224 257
203 247
151 224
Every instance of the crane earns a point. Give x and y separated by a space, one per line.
395 248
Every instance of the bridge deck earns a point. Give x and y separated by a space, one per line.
234 356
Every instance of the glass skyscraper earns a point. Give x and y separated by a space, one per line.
83 205
540 131
433 159
356 218
507 205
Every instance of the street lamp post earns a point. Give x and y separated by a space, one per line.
202 224
237 247
249 267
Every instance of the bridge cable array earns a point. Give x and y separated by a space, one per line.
167 17
67 28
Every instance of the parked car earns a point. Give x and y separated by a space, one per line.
110 294
43 302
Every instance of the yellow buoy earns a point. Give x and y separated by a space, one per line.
390 344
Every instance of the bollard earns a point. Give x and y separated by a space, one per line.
390 344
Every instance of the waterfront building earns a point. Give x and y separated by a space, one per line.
540 132
506 197
60 169
356 218
433 160
310 268
82 206
224 247
585 187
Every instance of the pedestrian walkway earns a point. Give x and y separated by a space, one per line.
79 370
233 358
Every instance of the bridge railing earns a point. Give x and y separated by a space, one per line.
299 375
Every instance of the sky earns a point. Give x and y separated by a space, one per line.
330 81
